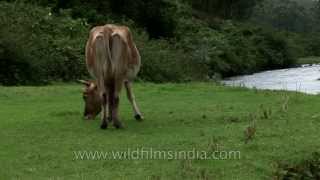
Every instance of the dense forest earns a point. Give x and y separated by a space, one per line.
42 41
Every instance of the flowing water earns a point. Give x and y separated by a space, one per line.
304 79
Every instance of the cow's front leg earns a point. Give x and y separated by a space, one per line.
137 114
104 118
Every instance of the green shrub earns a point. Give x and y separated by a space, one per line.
312 47
162 61
37 47
234 49
274 48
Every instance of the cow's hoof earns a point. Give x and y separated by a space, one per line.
118 125
138 117
104 126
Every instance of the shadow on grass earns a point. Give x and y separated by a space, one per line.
307 169
65 113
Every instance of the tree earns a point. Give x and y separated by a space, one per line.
227 9
286 15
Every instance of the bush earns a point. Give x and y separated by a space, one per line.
234 49
162 61
313 45
275 50
37 47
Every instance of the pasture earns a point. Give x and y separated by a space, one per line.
42 127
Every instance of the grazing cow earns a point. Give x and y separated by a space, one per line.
113 59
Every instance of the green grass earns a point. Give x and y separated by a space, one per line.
308 60
41 127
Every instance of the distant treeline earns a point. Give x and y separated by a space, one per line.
43 41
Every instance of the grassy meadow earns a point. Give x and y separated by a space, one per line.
41 127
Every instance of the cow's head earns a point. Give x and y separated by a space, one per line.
92 99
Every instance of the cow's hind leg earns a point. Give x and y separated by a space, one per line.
116 122
137 114
104 123
114 105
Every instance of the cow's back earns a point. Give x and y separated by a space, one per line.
129 64
132 60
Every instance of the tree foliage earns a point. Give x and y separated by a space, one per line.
37 46
226 9
286 15
43 41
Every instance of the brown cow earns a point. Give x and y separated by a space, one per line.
113 60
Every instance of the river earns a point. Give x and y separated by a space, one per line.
303 79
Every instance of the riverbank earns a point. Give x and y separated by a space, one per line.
308 60
42 127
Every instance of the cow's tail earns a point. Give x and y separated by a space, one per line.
103 54
118 52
